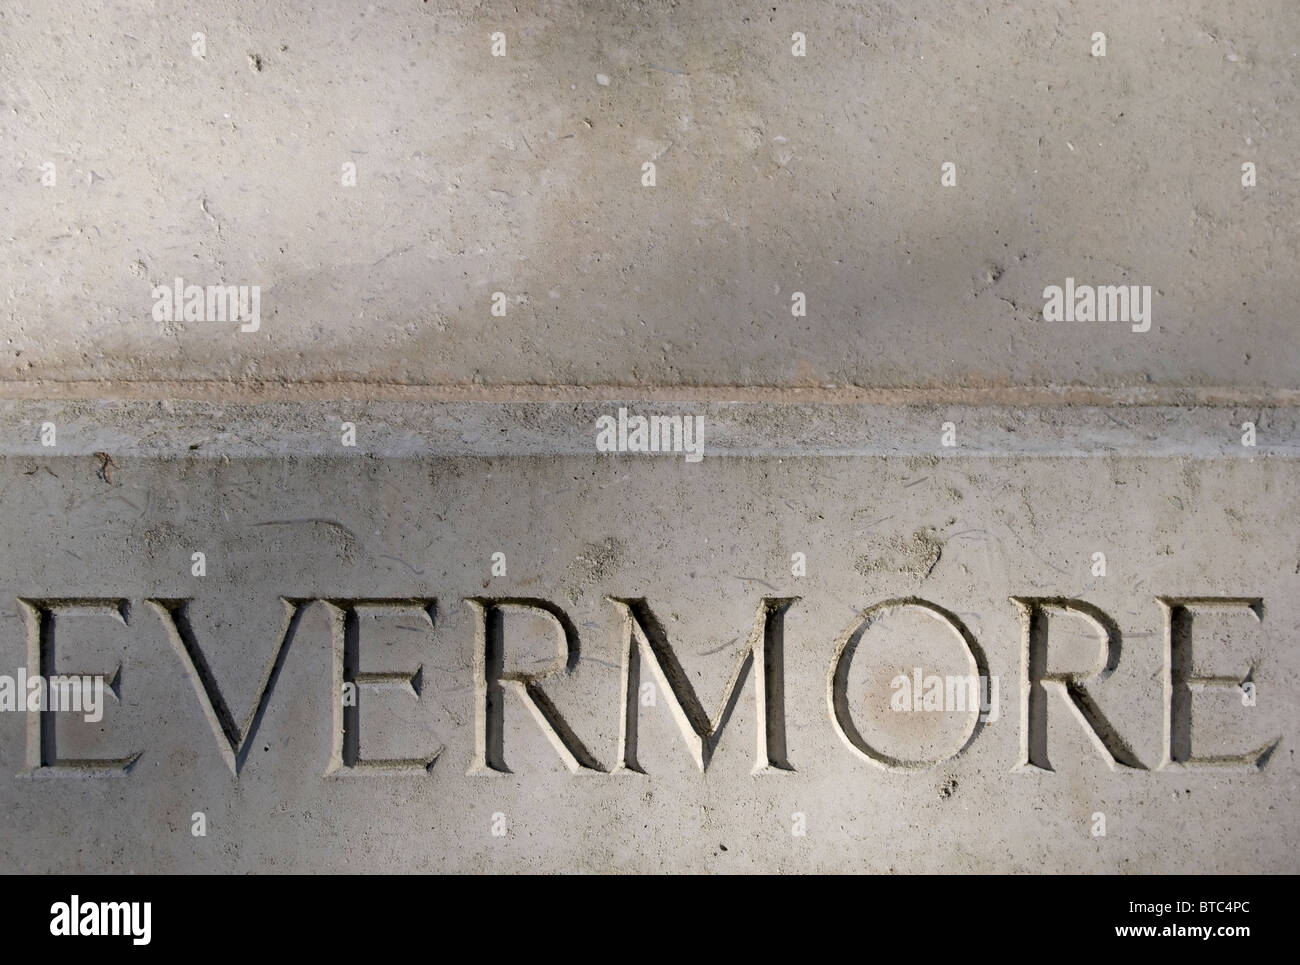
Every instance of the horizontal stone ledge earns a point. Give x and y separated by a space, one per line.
334 427
247 391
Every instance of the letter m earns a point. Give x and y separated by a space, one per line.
222 303
645 640
118 913
1115 298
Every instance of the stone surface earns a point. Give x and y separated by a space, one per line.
702 544
775 174
382 475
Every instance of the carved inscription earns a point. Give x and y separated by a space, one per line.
646 650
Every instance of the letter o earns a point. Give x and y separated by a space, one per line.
837 681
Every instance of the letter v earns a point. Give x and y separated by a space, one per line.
232 740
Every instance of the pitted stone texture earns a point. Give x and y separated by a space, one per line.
775 174
702 545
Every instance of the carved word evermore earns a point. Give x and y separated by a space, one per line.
645 646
